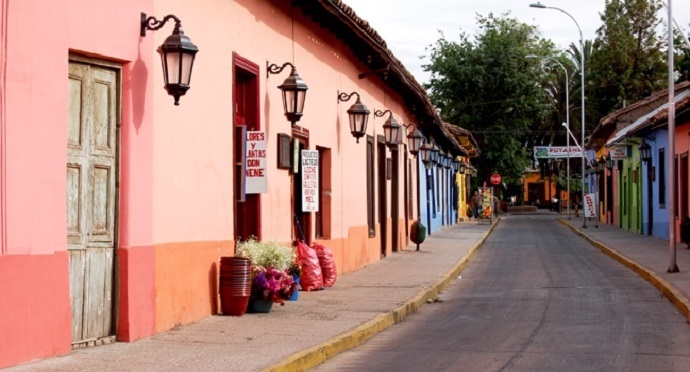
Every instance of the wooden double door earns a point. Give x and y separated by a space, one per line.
92 163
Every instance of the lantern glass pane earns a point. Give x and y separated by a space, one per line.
288 101
358 123
395 135
173 67
166 66
187 62
301 96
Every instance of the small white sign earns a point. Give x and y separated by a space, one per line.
310 181
255 163
590 205
618 153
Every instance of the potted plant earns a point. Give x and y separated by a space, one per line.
295 270
272 286
271 282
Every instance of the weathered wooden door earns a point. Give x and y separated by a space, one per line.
92 141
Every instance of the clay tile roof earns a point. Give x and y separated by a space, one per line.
625 116
371 49
464 139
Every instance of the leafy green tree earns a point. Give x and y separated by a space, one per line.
627 62
682 60
486 85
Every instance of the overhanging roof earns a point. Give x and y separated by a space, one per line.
371 49
645 120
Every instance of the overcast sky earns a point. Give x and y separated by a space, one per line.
409 26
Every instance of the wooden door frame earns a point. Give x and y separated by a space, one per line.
381 161
305 218
118 68
241 65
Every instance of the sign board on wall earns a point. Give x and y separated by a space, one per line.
618 152
310 181
255 162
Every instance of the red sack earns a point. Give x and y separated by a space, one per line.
311 279
327 263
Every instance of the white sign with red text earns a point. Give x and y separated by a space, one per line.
618 153
310 180
590 205
255 163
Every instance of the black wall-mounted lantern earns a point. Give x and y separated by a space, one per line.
391 128
447 160
177 55
645 152
415 139
294 91
427 153
358 115
462 166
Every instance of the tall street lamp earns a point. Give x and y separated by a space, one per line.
582 97
567 118
672 267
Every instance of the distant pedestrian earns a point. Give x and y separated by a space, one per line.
477 204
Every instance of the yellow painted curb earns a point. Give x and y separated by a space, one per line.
318 354
671 292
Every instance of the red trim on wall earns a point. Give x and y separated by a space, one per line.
35 307
136 318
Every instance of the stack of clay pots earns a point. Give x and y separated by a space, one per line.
234 285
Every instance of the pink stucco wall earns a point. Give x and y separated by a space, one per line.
176 186
198 133
39 39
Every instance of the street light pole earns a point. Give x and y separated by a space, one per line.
567 119
582 97
672 267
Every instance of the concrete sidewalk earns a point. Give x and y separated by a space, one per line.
302 333
648 256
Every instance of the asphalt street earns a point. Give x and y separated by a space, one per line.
536 297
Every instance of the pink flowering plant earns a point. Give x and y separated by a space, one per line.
271 261
273 285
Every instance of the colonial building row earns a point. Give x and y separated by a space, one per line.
628 165
125 175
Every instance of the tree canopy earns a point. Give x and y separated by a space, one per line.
486 85
511 103
628 60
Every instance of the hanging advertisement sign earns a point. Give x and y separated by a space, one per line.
590 203
310 180
255 163
547 152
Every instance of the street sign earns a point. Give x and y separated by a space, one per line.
495 179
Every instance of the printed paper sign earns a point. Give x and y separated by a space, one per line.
590 205
310 181
255 163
